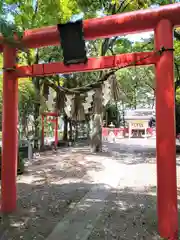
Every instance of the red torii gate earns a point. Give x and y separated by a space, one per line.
162 21
55 121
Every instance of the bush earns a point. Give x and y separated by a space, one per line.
21 164
20 167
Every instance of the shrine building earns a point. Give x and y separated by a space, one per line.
140 122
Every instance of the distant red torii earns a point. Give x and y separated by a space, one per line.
55 116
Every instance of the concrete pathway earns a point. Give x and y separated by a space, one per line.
79 223
122 169
122 204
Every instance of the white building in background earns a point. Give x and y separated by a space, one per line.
138 121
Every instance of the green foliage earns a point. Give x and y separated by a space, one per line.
112 115
31 14
137 83
20 164
27 98
138 86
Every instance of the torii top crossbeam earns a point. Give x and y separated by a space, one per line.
109 26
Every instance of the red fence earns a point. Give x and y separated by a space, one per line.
122 132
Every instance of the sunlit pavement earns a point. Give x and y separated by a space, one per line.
127 164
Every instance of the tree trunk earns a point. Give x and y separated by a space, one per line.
65 133
154 97
117 116
96 137
36 82
36 114
70 130
36 125
76 131
88 129
106 118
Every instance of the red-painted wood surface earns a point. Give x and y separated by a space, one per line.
165 140
109 26
9 133
93 64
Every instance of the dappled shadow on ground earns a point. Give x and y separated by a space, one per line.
40 208
63 165
131 154
128 213
50 186
54 183
123 156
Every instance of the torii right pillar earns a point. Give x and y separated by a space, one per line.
165 134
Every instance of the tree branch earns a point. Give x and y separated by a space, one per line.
177 83
124 8
121 5
35 12
82 89
176 34
148 84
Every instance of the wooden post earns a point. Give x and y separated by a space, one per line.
165 141
9 132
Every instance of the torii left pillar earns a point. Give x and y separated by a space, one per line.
9 132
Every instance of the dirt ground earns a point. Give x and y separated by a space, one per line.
127 215
54 183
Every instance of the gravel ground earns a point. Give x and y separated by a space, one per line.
46 193
130 211
127 215
54 183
